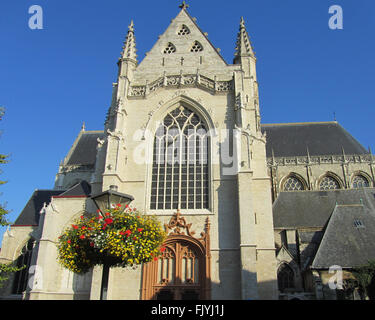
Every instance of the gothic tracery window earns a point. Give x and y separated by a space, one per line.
180 162
196 47
360 181
170 48
183 31
293 184
285 277
329 183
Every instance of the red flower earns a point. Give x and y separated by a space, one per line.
140 229
156 258
74 226
98 211
91 244
83 227
162 249
128 232
127 206
82 236
69 241
119 205
107 214
108 221
122 233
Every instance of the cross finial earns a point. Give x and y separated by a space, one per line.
183 5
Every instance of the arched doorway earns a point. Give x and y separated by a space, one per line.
182 272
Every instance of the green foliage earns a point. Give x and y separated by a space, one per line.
6 270
365 275
120 238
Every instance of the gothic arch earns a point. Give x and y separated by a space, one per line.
184 268
24 258
285 277
362 174
156 119
332 175
296 176
158 114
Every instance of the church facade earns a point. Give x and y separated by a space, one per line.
246 205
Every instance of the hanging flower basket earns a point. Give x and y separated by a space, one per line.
119 238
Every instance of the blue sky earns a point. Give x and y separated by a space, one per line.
52 80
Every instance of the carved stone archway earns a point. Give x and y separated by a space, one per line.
183 271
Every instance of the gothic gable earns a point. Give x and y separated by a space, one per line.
182 45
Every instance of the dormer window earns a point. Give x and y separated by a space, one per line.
170 49
196 47
183 31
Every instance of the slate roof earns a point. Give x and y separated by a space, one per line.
82 188
321 138
313 208
285 139
83 151
30 214
344 242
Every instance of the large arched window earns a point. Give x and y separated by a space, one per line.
293 183
180 162
285 277
24 260
329 183
359 181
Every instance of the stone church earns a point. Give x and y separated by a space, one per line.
264 210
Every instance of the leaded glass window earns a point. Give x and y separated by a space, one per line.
360 181
180 162
293 184
329 183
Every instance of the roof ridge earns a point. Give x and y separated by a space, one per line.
298 123
93 131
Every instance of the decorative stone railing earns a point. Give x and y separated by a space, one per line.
180 81
327 159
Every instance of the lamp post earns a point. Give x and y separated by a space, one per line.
105 201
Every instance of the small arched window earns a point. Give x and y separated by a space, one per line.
359 181
21 277
196 47
184 30
285 277
180 162
329 183
170 48
292 183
